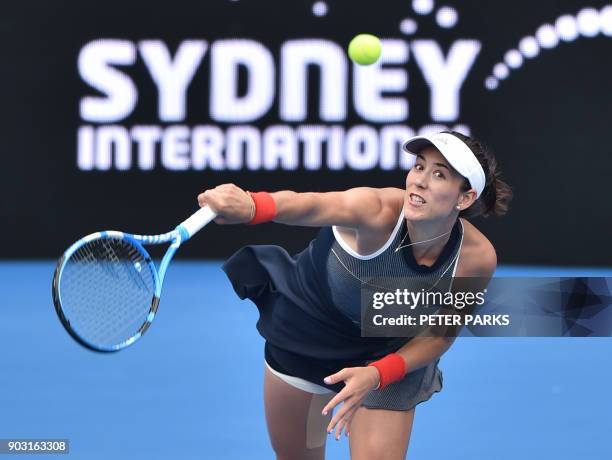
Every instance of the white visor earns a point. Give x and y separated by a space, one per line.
456 152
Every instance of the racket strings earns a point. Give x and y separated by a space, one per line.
109 322
106 289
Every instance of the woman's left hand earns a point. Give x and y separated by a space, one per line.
358 381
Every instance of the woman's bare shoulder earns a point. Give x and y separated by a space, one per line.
478 256
392 202
393 198
381 208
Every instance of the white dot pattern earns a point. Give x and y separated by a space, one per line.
446 17
422 6
491 83
513 59
529 47
408 26
500 70
588 22
567 28
606 20
546 35
319 9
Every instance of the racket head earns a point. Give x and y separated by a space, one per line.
106 291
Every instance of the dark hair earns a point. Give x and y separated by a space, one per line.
496 196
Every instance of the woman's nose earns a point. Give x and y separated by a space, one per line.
420 181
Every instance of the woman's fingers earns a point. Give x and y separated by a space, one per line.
339 376
345 420
341 413
209 198
231 203
341 425
344 394
202 200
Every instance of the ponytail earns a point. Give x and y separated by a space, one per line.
497 194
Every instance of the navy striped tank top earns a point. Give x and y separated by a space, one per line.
309 303
391 267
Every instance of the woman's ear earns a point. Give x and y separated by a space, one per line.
466 199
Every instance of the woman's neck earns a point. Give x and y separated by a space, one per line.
439 234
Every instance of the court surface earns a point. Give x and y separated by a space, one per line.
192 387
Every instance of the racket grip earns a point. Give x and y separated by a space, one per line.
197 221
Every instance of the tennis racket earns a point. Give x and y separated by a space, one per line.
106 288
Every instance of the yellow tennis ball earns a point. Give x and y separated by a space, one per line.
365 49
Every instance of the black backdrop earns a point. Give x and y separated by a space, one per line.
549 122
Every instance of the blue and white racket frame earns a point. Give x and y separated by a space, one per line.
176 238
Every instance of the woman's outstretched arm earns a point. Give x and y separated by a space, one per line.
359 208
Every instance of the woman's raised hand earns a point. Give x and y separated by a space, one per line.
232 204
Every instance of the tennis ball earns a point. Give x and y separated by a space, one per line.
365 49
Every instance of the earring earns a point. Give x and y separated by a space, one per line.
458 207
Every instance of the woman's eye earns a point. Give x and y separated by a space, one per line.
419 167
439 174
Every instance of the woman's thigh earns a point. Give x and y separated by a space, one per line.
295 424
377 434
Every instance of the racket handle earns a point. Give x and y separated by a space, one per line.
197 221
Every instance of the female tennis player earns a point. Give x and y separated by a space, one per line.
309 304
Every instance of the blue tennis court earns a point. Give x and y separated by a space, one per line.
192 388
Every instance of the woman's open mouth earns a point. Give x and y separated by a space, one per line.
416 200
